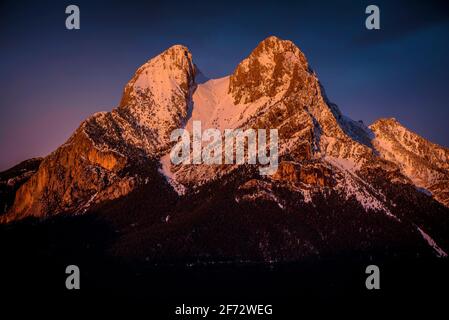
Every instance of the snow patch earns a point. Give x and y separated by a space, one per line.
438 251
165 170
353 186
215 108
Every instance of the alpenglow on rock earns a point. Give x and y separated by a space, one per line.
321 150
97 161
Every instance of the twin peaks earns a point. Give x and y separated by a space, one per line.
339 185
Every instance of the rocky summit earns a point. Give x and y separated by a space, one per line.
340 186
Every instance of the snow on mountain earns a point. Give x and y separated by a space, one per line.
321 150
439 252
157 98
101 159
213 105
426 164
275 88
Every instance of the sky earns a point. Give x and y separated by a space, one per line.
52 78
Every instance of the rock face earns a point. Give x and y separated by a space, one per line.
311 174
272 67
424 163
73 173
331 168
275 88
158 97
12 179
100 159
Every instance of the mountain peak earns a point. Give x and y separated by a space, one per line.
386 122
423 162
177 52
178 48
173 66
277 45
273 38
176 58
268 70
275 42
158 95
272 88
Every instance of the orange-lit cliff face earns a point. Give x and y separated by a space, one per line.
95 164
322 153
73 173
426 164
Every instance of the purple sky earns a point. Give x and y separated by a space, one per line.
52 78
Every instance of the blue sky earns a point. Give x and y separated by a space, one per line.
52 78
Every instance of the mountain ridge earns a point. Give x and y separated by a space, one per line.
323 154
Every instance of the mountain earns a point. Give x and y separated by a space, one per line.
100 160
424 163
340 186
12 179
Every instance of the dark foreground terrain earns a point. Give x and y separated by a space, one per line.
151 252
34 257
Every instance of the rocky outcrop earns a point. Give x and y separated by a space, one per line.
12 179
158 97
426 164
99 160
273 66
76 171
310 174
273 88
